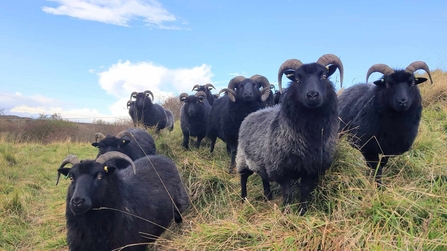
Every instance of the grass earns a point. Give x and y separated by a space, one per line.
347 212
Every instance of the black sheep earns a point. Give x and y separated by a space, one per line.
148 113
243 97
132 112
207 90
194 117
383 118
297 138
135 143
109 208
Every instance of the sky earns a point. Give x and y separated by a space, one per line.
82 59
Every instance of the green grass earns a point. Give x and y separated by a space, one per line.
347 212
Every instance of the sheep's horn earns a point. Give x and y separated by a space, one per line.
195 87
265 84
123 133
419 65
207 86
382 68
99 136
103 158
288 64
328 59
183 96
128 104
200 93
235 81
70 159
131 95
231 93
150 93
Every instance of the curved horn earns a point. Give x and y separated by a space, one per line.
207 86
288 64
328 59
230 92
419 65
131 95
128 104
123 133
382 68
265 85
150 93
183 96
235 81
103 158
70 159
100 136
195 87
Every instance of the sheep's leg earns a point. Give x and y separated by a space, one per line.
286 194
376 164
177 216
233 149
185 143
267 192
213 142
245 173
308 184
199 140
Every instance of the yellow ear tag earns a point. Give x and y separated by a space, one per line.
327 67
106 169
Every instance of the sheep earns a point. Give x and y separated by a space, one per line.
169 120
107 209
134 142
194 117
207 90
148 113
271 98
383 118
243 97
297 138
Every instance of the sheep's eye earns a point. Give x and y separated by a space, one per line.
413 84
134 96
99 176
387 85
323 76
297 79
71 177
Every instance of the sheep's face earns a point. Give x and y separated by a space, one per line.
111 143
87 186
311 84
248 90
141 99
400 90
194 105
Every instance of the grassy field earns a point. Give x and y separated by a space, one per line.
347 212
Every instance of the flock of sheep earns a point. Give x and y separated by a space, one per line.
282 137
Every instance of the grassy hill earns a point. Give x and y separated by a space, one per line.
347 212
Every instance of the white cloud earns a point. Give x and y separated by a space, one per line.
117 12
123 78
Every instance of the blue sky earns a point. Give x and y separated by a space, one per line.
83 58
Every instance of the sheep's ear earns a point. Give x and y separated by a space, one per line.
380 82
419 80
331 69
124 142
95 144
64 171
290 74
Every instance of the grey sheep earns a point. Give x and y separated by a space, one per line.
194 117
297 138
383 118
109 208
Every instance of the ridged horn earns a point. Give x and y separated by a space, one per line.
418 65
131 95
200 93
183 95
207 86
265 85
231 94
70 159
331 59
99 136
103 158
150 93
195 87
382 68
288 64
235 81
123 133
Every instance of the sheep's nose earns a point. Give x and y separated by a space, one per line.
312 95
403 102
77 202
